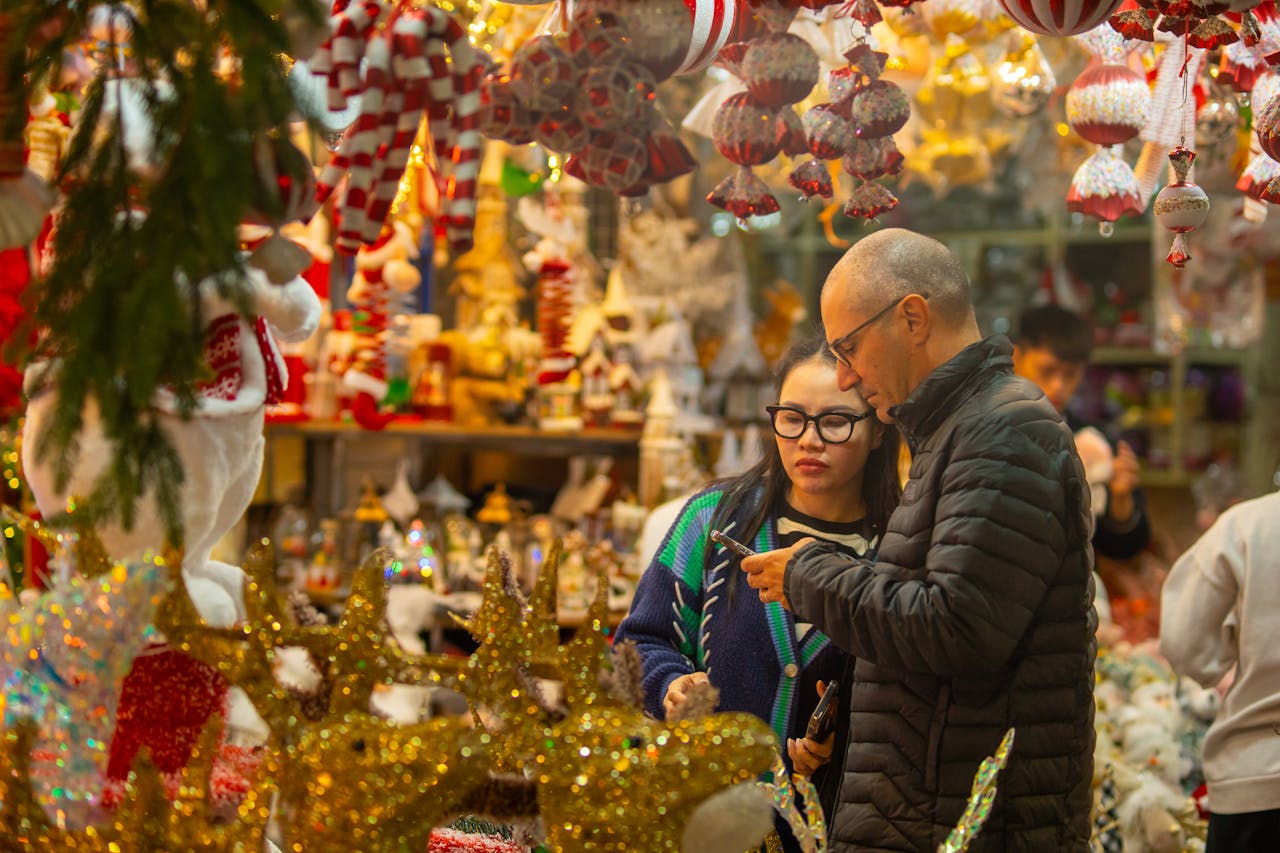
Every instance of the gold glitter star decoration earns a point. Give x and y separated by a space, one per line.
600 774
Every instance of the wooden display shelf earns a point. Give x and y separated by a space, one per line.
502 437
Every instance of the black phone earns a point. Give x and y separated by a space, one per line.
823 719
732 544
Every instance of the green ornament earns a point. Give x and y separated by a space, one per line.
517 182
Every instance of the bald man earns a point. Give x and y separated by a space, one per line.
977 616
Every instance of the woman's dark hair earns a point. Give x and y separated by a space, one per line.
762 489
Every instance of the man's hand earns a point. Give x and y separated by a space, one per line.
765 572
678 690
1124 479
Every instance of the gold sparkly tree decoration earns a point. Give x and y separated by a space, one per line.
981 798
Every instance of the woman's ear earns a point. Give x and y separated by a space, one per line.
877 433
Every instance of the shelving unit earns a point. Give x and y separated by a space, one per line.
334 452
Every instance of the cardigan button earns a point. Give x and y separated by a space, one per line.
791 670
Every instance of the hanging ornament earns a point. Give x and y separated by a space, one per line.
879 109
873 158
597 40
1022 82
561 133
779 69
744 131
1217 119
660 30
1108 104
951 17
1256 181
1059 17
1240 67
617 96
543 77
826 131
812 178
501 115
1104 187
791 135
1267 125
868 200
614 161
743 194
1181 206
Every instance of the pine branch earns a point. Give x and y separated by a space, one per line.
117 310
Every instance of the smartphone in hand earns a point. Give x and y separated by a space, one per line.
823 720
732 544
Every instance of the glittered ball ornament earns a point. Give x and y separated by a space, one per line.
543 77
743 194
828 133
1217 120
1059 17
1022 82
614 161
1181 206
616 96
1266 123
744 131
660 30
873 158
1108 104
597 39
501 115
779 69
879 109
561 133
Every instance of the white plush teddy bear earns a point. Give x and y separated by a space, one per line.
220 446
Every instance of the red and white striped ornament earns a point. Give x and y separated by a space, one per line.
1059 17
419 59
1181 206
1108 104
712 25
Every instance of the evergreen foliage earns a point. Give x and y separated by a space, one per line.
116 311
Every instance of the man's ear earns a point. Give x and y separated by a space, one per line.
916 310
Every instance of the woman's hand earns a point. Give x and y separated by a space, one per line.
677 691
808 755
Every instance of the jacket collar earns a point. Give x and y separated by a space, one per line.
934 399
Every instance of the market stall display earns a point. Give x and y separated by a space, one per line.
568 251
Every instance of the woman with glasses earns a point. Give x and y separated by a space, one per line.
830 473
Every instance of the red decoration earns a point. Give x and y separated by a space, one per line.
1059 17
614 161
543 76
1104 187
779 69
617 96
880 108
744 131
743 195
1181 206
1267 124
1257 178
598 39
164 703
561 133
1108 104
660 30
873 158
812 178
868 200
502 115
828 133
791 136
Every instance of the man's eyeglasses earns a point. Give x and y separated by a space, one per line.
839 346
833 427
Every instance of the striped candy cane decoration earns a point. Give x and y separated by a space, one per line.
713 22
360 145
338 59
460 207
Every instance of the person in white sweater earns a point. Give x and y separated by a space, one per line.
1219 607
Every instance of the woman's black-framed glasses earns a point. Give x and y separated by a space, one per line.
840 344
832 427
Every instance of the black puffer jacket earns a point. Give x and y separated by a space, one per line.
977 617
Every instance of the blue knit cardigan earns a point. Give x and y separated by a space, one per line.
681 622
